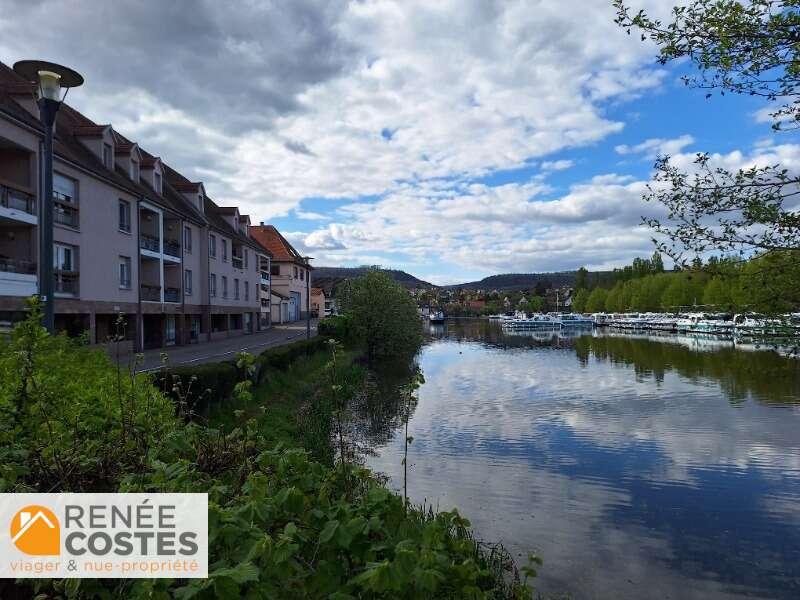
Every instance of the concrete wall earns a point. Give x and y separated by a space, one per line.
287 284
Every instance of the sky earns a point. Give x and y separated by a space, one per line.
451 139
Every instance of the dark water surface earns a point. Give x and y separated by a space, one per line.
637 467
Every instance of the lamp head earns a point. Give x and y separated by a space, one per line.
50 78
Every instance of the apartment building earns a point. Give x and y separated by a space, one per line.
132 236
290 274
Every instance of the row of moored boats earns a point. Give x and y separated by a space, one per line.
696 322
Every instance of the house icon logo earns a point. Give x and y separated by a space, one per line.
35 530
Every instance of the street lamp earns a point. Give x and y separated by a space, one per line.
51 79
307 260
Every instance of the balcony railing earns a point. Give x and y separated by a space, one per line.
172 248
151 293
172 294
17 200
66 282
148 242
21 266
65 214
264 277
237 261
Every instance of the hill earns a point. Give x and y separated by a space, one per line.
523 281
329 277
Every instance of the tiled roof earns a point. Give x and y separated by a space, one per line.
272 240
90 130
317 291
215 219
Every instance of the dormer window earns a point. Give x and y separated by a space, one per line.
134 170
108 156
157 182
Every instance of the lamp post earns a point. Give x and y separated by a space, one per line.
308 298
50 79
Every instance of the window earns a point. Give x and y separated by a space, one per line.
246 291
302 275
224 286
65 200
125 272
212 285
134 170
235 289
245 258
187 282
224 249
125 216
107 156
275 270
295 272
64 189
63 258
212 246
187 239
157 181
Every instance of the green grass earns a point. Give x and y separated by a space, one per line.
290 405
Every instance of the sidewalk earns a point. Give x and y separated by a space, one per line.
226 349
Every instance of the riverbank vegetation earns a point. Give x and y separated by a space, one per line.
381 316
767 284
290 514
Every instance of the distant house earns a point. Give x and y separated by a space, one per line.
280 307
476 304
290 271
317 302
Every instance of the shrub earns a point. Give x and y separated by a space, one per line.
199 385
383 316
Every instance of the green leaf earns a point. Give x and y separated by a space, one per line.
327 532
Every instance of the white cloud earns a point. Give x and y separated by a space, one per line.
656 147
557 165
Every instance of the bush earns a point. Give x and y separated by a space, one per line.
338 327
199 385
281 358
383 316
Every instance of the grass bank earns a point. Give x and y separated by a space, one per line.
287 519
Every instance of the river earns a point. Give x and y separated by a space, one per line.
635 466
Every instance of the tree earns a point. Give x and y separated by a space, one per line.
383 315
718 293
536 303
657 263
581 279
677 294
597 300
580 301
745 48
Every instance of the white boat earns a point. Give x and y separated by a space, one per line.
535 321
435 317
573 320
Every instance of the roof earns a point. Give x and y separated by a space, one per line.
217 221
315 291
278 294
281 250
70 125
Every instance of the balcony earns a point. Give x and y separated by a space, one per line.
172 294
151 293
148 242
237 262
66 283
18 205
65 213
22 267
172 248
17 277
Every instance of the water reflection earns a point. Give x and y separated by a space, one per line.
637 467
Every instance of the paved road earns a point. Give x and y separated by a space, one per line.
226 349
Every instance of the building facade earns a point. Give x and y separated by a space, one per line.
140 251
290 272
